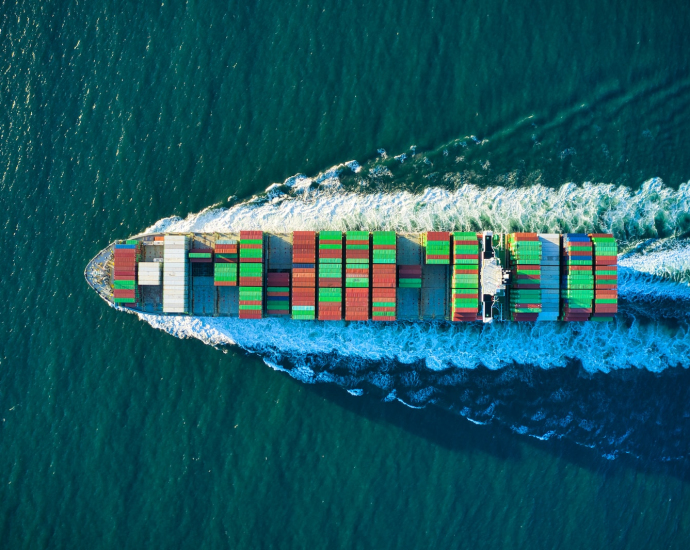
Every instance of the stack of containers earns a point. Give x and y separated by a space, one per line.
550 276
251 302
524 251
605 277
278 293
357 276
409 276
125 288
330 275
251 259
304 259
383 294
356 304
330 304
201 255
465 280
303 303
383 259
357 259
577 279
304 275
383 304
175 274
251 274
225 267
436 247
150 273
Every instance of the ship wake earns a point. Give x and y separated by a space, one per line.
473 368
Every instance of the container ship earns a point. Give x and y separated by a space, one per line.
377 276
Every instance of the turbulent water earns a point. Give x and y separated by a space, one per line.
423 364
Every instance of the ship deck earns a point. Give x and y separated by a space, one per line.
431 302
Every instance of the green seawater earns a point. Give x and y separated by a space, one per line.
117 114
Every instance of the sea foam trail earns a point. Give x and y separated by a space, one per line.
653 211
599 347
652 271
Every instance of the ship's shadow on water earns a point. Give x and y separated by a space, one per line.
603 421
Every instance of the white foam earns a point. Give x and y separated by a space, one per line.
601 347
322 205
659 270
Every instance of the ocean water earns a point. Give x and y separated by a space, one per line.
125 431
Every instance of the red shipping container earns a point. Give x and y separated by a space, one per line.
466 256
250 302
331 241
459 242
224 283
299 294
351 241
383 293
252 235
606 260
606 294
330 254
251 281
437 236
330 283
357 292
250 314
124 293
578 253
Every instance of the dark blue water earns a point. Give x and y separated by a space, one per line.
115 115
